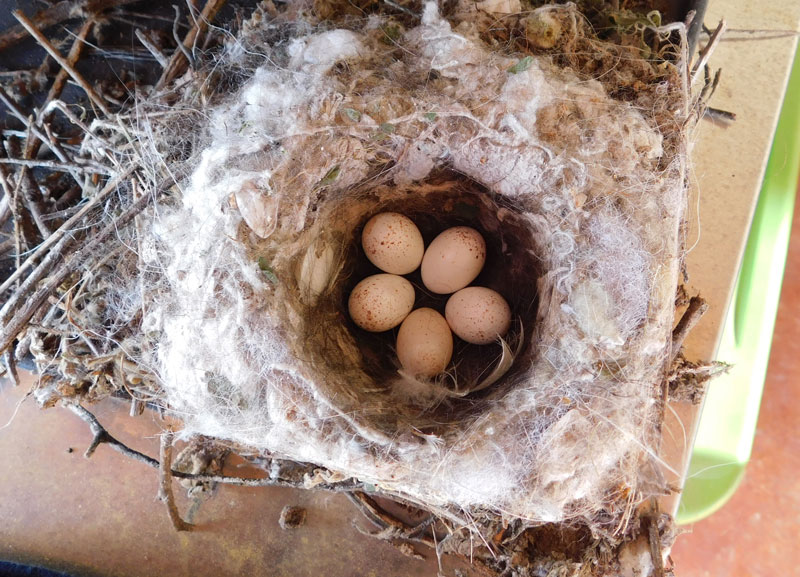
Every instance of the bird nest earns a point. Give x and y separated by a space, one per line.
207 271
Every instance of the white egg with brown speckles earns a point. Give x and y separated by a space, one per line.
380 302
453 260
478 315
393 243
424 343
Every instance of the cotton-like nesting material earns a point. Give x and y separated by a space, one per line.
334 126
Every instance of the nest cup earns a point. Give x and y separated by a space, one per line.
579 197
443 201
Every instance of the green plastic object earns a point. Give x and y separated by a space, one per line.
728 423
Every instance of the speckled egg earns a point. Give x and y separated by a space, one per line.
424 343
453 260
381 302
478 315
393 243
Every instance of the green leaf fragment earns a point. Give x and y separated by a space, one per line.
330 176
521 66
384 130
263 264
352 114
430 116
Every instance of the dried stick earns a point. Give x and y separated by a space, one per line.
694 312
22 313
31 195
32 145
178 59
391 527
54 146
11 366
654 540
51 50
65 228
58 166
102 436
707 50
152 48
53 15
165 482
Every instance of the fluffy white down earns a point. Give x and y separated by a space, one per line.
223 357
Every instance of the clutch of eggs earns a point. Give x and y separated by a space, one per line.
478 315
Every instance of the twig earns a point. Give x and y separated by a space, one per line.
102 436
178 59
30 193
165 482
11 366
152 48
707 50
654 540
177 38
59 166
391 527
53 15
11 327
65 228
12 106
76 76
694 312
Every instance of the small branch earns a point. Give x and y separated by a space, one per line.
65 228
165 483
59 166
53 15
12 106
694 312
654 540
102 436
160 57
179 59
24 305
11 366
707 50
391 527
63 62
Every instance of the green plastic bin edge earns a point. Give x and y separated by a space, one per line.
728 423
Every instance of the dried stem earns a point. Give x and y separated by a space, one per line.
165 482
15 110
11 366
391 527
707 50
694 312
59 166
63 62
102 436
25 302
152 48
179 59
65 228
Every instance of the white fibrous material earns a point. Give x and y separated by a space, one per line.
336 125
